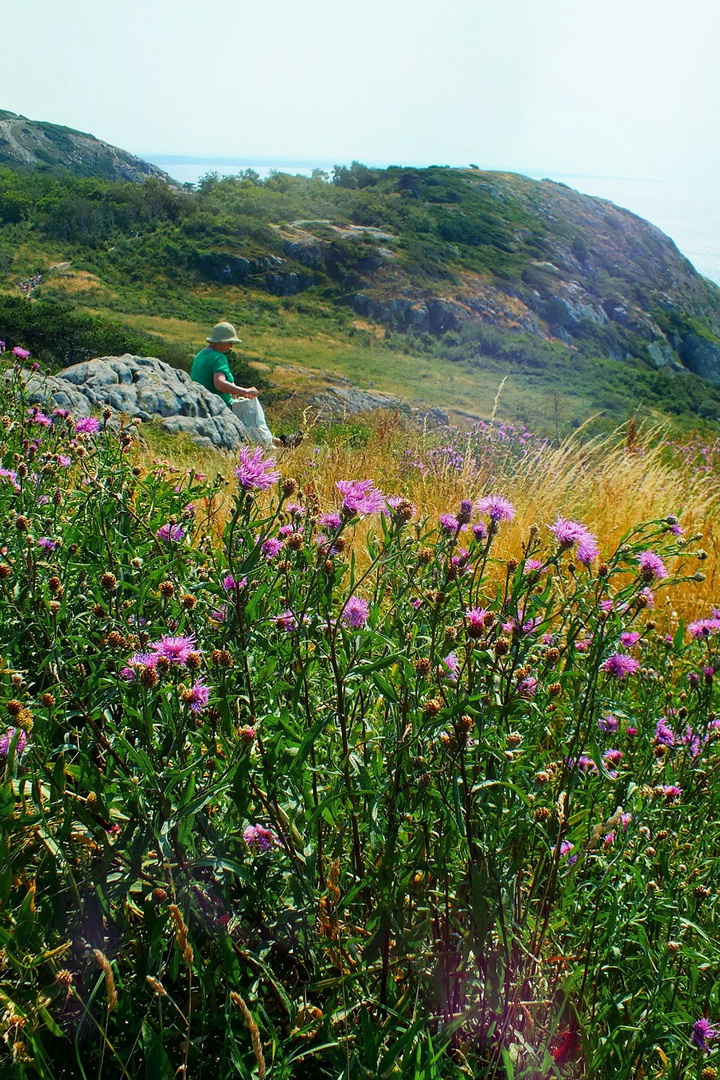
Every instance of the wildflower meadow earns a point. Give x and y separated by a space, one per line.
304 778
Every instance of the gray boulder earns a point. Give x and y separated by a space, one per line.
702 357
143 388
337 403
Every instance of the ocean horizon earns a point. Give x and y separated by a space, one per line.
688 212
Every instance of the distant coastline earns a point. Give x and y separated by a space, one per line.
688 213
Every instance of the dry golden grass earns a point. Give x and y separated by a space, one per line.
610 484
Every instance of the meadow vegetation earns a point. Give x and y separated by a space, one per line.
395 757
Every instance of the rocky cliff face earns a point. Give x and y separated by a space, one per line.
35 145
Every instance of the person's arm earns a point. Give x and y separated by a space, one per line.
225 387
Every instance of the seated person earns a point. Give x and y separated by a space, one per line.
210 368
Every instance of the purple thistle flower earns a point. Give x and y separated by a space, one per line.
664 734
143 660
628 638
229 583
87 425
703 1032
47 543
449 524
355 613
360 497
476 621
527 687
2 347
532 566
648 597
565 848
608 723
569 533
331 521
652 568
703 628
197 697
170 532
480 531
174 649
620 666
497 508
671 792
127 674
254 471
22 354
259 839
42 419
449 667
272 547
285 621
612 756
7 739
219 614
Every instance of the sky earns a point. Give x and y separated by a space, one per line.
627 88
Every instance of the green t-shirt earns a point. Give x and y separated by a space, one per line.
205 365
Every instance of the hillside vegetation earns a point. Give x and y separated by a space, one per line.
433 284
394 758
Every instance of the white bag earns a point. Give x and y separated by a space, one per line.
250 413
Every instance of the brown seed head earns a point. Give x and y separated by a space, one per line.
194 661
166 589
159 895
98 611
4 571
422 666
289 486
64 978
432 707
148 677
14 707
188 601
555 689
47 700
552 655
502 646
424 556
108 582
542 813
222 658
21 523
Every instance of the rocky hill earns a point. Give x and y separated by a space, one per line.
430 284
34 144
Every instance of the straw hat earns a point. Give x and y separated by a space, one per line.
223 333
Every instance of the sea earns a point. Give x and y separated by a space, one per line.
687 211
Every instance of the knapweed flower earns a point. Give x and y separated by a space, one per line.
664 734
703 628
169 532
612 757
449 667
285 621
197 697
628 638
570 533
671 792
532 566
703 1032
449 524
7 739
259 838
355 613
360 497
497 508
2 347
565 848
608 723
527 687
272 547
87 425
41 419
46 543
255 472
330 521
652 568
22 354
175 649
476 620
584 764
620 666
480 531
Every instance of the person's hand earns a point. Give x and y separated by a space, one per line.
248 392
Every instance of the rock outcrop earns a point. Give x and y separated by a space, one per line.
142 388
35 144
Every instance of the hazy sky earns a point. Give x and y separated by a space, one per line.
611 87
